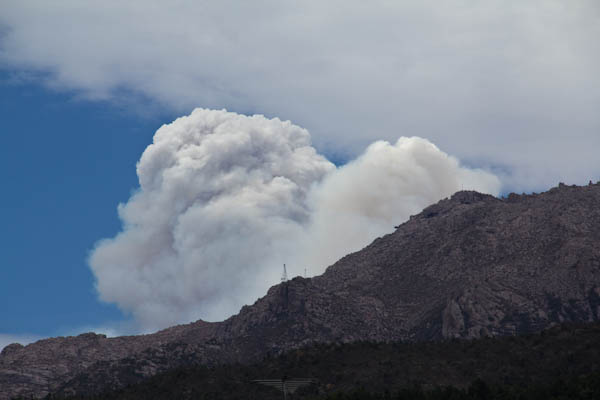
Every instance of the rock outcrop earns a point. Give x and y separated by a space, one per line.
469 266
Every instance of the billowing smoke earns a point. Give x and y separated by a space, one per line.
220 195
226 199
365 198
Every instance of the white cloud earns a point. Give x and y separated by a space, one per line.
508 84
226 199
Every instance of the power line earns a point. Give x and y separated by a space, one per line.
285 385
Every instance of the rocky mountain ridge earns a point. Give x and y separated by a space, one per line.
469 266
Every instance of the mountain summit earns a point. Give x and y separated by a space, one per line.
468 266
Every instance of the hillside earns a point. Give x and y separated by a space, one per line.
561 360
466 267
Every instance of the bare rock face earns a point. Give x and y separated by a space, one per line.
469 266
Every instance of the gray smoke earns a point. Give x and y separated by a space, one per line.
382 188
226 199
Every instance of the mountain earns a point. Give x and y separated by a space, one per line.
469 266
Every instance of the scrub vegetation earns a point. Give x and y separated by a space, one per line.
559 363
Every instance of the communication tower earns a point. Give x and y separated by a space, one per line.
284 275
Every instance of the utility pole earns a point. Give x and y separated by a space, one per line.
284 276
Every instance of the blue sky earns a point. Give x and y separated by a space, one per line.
507 91
65 165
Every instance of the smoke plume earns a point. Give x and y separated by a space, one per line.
365 198
226 199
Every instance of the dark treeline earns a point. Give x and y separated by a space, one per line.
560 363
585 388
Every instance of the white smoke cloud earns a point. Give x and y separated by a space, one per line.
220 195
365 198
225 199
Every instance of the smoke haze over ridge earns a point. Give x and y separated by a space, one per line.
226 199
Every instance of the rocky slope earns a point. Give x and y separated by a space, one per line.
469 266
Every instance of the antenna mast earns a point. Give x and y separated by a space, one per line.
284 276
